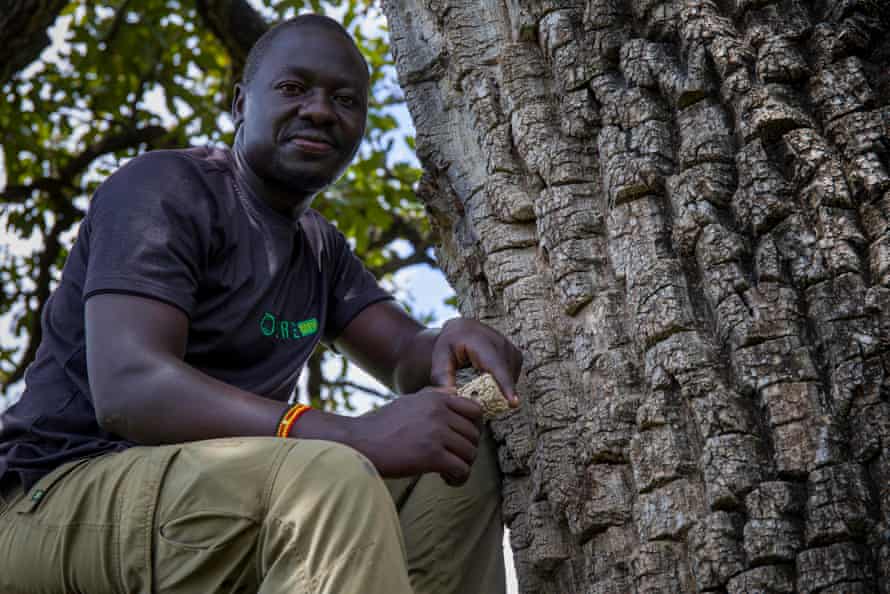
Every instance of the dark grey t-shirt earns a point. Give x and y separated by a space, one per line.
260 290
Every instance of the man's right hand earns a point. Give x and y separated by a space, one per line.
433 430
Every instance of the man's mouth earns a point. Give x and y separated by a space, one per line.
312 143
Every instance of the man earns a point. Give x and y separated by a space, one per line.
142 456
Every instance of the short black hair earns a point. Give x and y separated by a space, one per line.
259 49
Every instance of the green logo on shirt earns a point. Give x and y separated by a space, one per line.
286 329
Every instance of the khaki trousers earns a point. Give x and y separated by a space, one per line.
247 515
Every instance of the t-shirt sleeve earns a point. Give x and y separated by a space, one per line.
353 288
149 231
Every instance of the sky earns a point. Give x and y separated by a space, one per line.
423 287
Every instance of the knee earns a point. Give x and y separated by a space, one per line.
342 464
338 470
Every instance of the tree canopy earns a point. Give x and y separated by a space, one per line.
136 75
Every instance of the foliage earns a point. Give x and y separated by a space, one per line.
136 75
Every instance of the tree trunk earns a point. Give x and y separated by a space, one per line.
680 211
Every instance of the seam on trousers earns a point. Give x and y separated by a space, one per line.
300 564
433 529
438 547
163 460
340 561
277 463
116 542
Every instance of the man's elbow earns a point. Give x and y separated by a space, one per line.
110 408
118 392
111 421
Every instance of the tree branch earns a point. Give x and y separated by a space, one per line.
401 229
237 26
56 187
17 194
111 143
119 17
393 265
314 377
354 386
23 25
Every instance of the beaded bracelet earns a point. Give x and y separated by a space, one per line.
290 417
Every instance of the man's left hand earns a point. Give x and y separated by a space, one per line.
463 342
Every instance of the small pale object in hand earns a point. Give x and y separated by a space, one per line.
486 392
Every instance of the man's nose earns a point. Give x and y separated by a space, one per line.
318 108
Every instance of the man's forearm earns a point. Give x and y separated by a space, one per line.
166 400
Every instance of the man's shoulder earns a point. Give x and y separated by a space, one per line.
313 218
185 177
165 162
318 227
322 235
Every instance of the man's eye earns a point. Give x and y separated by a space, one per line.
291 88
345 100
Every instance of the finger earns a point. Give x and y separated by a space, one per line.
452 482
461 447
443 366
466 428
454 468
465 407
507 386
517 360
496 363
445 391
516 368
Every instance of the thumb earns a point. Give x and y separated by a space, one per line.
443 366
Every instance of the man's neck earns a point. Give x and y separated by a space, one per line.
276 196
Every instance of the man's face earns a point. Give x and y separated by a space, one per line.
303 113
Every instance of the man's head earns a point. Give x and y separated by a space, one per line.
301 106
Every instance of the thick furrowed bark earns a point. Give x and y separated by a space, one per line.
679 210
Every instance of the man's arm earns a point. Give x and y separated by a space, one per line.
401 353
144 391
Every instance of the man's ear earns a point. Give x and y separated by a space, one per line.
238 104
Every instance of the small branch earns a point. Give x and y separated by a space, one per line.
393 265
116 23
17 194
401 229
110 144
61 187
314 377
354 386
